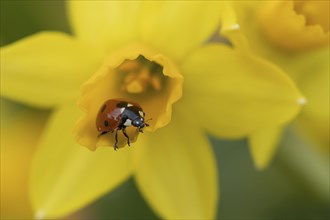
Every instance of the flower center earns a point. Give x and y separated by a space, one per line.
315 12
141 76
136 74
296 25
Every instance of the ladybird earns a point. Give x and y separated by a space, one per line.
118 114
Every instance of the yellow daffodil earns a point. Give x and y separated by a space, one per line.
295 36
193 86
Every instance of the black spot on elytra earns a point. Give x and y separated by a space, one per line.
122 104
106 123
103 108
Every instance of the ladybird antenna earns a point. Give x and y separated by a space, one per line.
146 124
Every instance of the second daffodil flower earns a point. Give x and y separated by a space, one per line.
294 35
154 53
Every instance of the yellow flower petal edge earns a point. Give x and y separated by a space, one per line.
105 84
230 28
263 144
20 132
64 176
313 79
236 93
45 69
177 172
189 25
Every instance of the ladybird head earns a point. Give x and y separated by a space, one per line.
138 122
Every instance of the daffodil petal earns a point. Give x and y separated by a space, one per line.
263 144
177 172
313 78
105 24
234 94
45 69
230 28
66 176
177 27
169 26
20 132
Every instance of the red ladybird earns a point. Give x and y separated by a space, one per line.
117 114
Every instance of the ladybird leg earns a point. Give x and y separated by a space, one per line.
116 139
124 132
102 133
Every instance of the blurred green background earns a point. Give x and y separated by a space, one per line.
295 186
